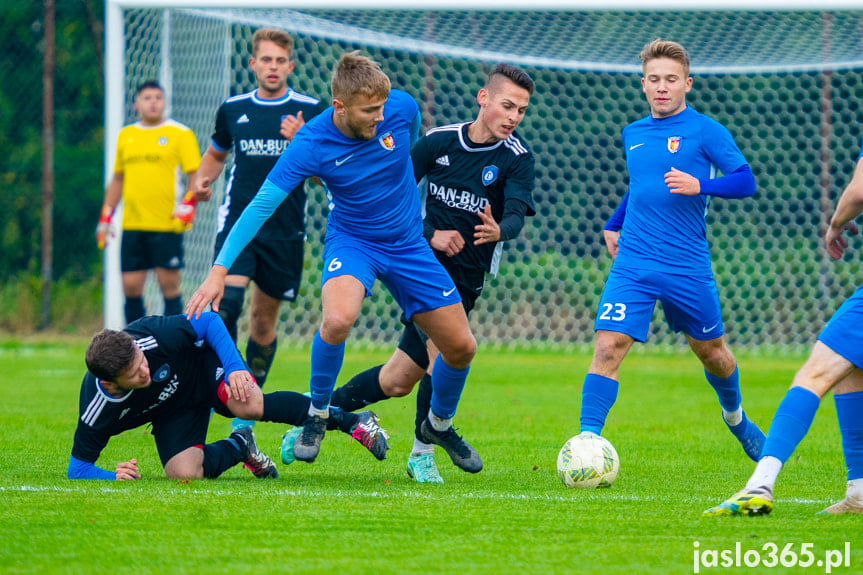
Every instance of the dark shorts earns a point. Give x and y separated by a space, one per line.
186 424
413 341
276 266
147 250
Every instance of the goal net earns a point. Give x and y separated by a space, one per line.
787 84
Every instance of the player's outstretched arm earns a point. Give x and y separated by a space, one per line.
211 290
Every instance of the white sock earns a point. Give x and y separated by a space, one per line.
438 423
766 472
733 418
420 448
855 490
324 413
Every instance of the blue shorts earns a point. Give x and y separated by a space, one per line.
844 332
691 303
412 274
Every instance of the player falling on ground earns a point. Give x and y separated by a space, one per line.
258 126
479 181
658 240
170 372
150 154
361 148
836 363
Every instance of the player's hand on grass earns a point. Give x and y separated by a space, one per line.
834 241
449 242
290 125
240 383
682 183
211 290
611 239
488 231
128 470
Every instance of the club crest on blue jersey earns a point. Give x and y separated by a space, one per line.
162 373
489 175
163 140
674 144
387 141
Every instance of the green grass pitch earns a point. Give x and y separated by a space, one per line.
348 513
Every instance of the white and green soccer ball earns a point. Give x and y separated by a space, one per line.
587 461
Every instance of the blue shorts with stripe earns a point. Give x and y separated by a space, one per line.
413 275
844 332
690 303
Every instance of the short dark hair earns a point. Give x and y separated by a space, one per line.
110 353
515 75
665 49
148 84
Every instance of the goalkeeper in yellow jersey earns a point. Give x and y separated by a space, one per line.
151 155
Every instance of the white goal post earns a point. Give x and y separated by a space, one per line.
785 76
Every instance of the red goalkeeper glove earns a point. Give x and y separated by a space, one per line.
185 212
103 228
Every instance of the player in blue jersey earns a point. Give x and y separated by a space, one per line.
170 372
836 363
360 147
479 178
257 127
659 243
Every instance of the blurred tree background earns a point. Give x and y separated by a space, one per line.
78 163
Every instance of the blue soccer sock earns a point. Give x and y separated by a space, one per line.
849 412
598 394
326 363
727 389
791 423
447 385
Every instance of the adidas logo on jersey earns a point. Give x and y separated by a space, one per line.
244 119
442 161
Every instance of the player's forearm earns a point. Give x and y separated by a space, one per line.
210 328
615 222
850 204
113 192
253 217
512 221
738 184
212 164
79 469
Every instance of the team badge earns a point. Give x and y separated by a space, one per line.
674 144
489 175
162 373
163 140
387 141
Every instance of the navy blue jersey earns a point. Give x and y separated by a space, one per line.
462 178
250 126
183 373
664 231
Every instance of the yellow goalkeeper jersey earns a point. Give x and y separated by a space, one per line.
152 160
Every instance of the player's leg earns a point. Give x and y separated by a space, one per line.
342 298
848 396
231 306
824 369
722 373
168 263
599 391
134 264
448 328
421 463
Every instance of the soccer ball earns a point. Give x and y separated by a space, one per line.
587 461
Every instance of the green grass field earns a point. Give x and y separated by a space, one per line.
348 513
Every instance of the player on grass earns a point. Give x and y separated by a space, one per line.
658 240
170 372
258 126
836 363
361 148
150 155
479 180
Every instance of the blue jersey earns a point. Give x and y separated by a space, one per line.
663 231
371 182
